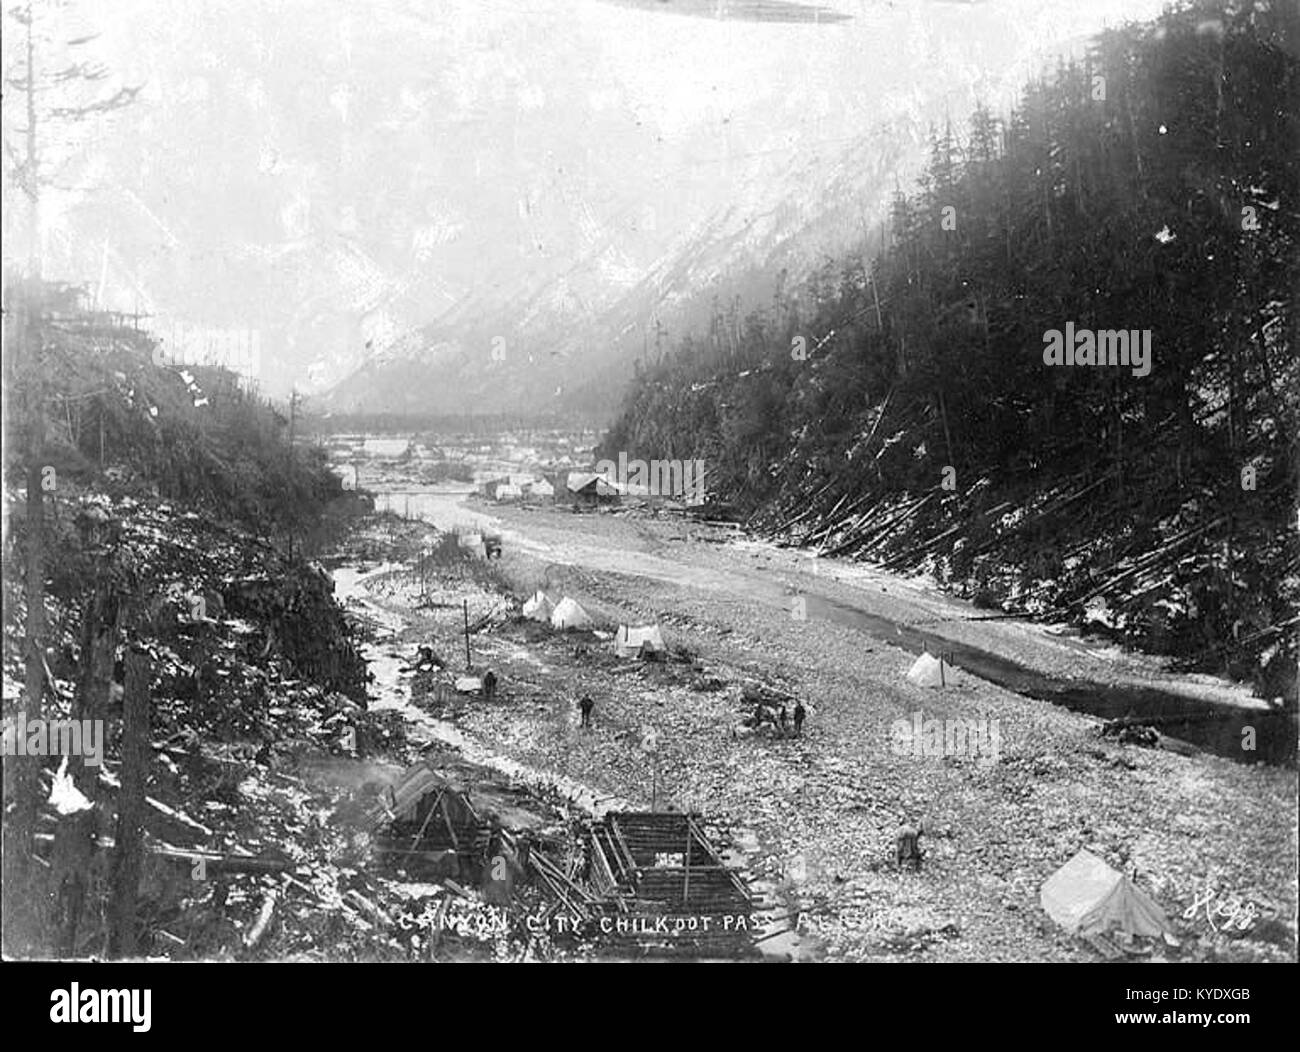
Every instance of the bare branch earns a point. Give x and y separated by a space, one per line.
123 97
79 71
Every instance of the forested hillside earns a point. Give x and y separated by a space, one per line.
160 523
899 408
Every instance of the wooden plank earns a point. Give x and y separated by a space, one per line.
415 853
713 854
686 880
549 869
618 870
631 866
558 891
599 859
425 824
451 828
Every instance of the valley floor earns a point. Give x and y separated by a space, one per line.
815 816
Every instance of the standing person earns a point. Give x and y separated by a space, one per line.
907 851
800 713
586 705
784 721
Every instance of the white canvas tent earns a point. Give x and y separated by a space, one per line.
508 491
569 614
539 608
930 671
630 641
1087 897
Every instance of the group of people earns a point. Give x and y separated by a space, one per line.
782 718
586 705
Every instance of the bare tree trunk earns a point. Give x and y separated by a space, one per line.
28 792
947 435
20 900
33 174
130 806
27 788
74 840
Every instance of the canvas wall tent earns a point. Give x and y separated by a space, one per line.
1087 897
539 607
508 492
930 671
568 614
435 826
405 814
633 642
541 488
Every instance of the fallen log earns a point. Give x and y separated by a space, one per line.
448 882
369 909
263 922
549 869
558 892
225 863
222 863
868 538
1147 561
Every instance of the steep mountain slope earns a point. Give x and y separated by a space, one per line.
575 342
800 181
1145 483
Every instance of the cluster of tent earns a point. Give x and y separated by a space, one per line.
517 487
565 614
630 640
